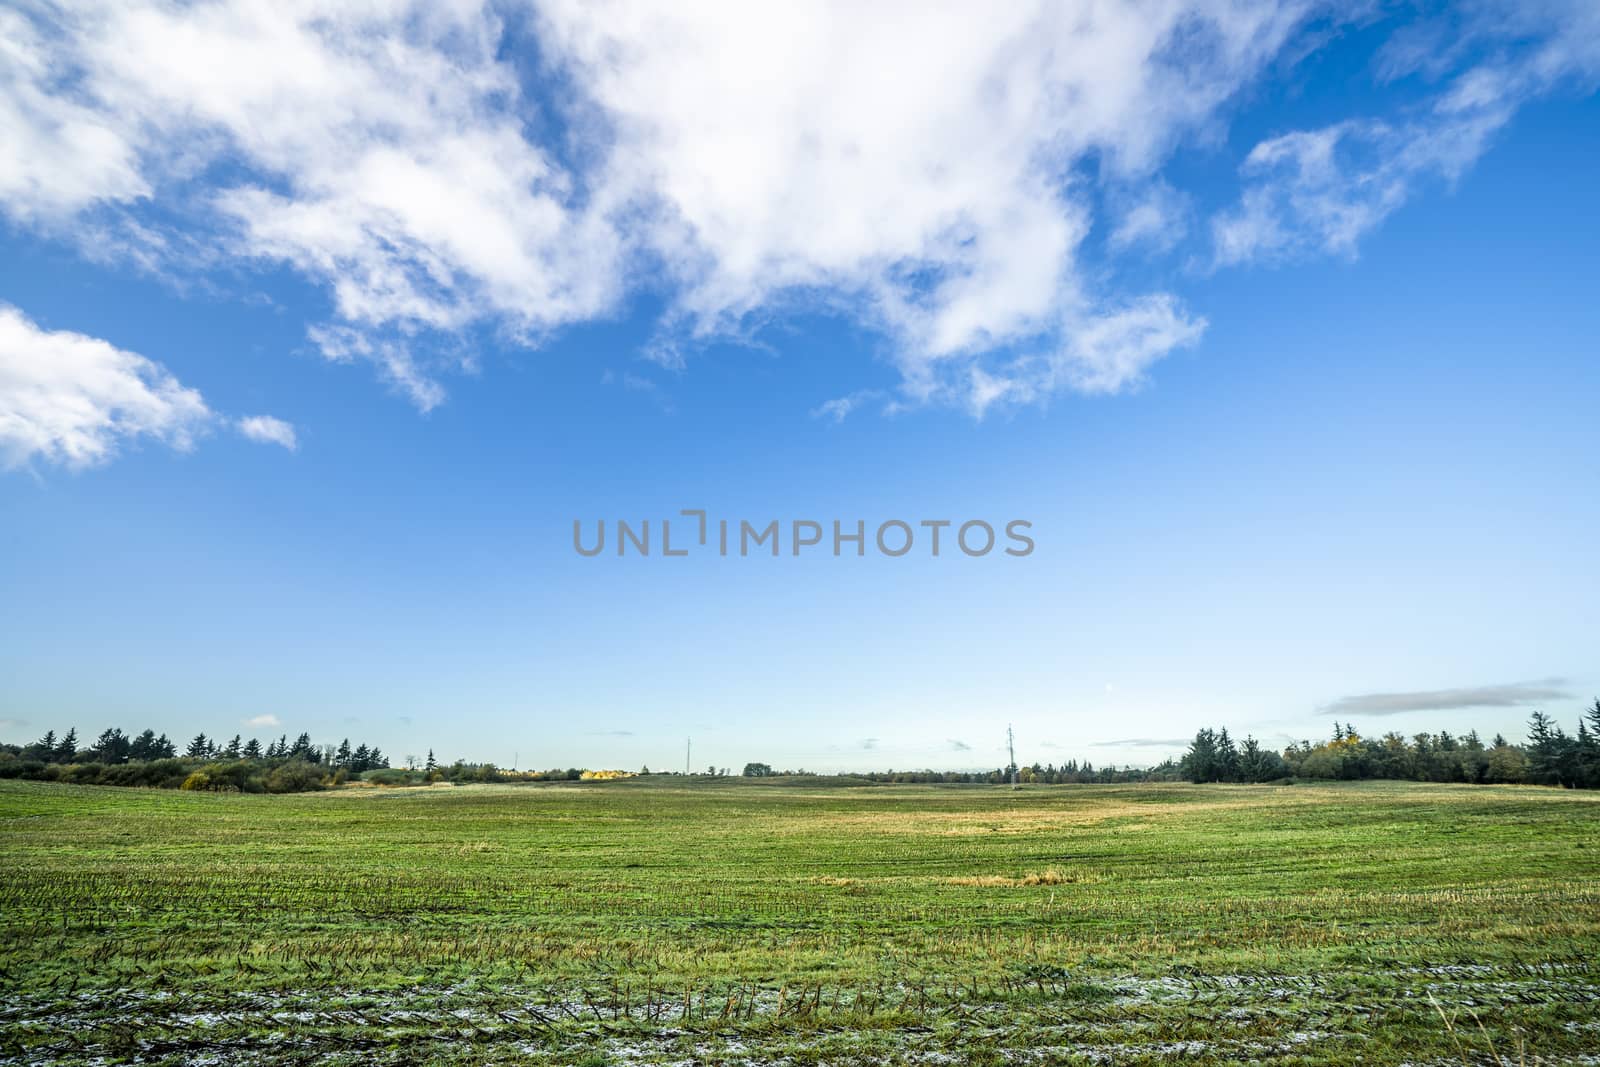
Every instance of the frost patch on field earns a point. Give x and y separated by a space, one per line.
1043 1016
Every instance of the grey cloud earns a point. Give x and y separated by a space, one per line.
1141 742
1484 696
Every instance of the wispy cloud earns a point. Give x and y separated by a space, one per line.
959 746
264 429
840 408
1320 191
1143 742
263 720
1516 694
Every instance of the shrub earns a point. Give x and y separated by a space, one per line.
296 776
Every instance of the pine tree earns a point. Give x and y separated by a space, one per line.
232 751
143 746
199 747
342 757
1547 751
360 760
252 749
1227 757
68 748
1199 763
165 749
432 766
111 747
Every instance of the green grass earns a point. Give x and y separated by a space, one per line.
747 922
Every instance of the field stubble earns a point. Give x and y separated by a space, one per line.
656 921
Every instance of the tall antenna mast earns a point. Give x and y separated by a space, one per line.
1011 747
688 756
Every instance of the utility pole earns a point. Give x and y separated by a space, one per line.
1011 747
688 755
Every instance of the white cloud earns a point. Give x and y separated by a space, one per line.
839 408
780 156
932 178
1154 216
1322 190
267 430
61 153
263 720
72 399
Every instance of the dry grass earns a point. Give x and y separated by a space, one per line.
1046 877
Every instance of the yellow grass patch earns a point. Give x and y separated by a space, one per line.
1045 877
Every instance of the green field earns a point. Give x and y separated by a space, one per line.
684 921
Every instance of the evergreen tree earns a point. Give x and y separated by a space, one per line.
111 747
360 760
232 751
342 757
432 766
302 747
68 748
252 749
1227 758
143 747
199 747
1200 762
165 749
1551 754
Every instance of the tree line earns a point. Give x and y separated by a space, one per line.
151 759
1550 756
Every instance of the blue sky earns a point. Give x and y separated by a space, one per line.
1276 322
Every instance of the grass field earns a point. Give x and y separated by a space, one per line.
754 922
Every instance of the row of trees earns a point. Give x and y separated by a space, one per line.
154 760
1550 756
113 747
1069 773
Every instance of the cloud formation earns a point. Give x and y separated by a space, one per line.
1144 742
264 429
1321 191
1512 695
449 171
75 400
263 720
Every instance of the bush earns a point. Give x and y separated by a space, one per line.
296 776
